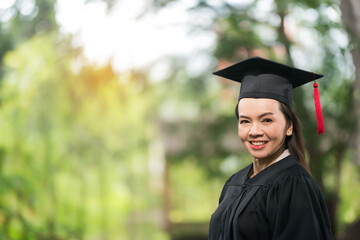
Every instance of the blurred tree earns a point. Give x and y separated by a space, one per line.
351 20
75 138
23 20
73 161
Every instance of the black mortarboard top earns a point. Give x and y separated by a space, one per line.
262 78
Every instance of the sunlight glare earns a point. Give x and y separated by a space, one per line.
4 4
122 38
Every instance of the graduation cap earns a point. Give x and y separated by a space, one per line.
262 78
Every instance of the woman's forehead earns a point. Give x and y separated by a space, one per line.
258 106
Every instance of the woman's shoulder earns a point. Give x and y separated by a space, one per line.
286 171
239 177
294 172
294 178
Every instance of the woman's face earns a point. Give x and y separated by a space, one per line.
262 128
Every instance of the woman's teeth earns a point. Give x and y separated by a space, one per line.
258 143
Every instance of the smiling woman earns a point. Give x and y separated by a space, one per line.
262 130
275 197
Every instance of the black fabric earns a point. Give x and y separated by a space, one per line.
262 78
266 86
281 202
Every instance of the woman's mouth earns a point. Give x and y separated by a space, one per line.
257 145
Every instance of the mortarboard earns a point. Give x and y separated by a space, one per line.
262 78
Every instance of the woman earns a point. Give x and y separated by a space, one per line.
275 197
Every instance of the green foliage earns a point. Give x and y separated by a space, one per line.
37 17
73 148
349 193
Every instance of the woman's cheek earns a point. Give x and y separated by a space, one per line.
242 133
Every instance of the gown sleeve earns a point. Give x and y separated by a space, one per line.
224 189
297 209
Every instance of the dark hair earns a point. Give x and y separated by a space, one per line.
295 142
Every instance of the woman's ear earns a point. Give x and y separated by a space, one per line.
289 131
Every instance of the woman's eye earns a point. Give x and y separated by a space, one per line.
243 121
267 120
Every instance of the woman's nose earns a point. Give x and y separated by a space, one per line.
255 130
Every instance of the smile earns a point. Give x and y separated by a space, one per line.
258 145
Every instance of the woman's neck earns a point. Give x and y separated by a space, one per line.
261 164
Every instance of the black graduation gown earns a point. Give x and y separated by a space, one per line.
280 202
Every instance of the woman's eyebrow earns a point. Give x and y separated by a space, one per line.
262 115
265 114
243 116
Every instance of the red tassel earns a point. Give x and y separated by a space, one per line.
319 116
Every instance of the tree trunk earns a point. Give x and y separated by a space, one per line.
351 18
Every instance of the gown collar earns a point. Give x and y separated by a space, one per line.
285 153
264 177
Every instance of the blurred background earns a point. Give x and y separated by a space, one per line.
113 127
